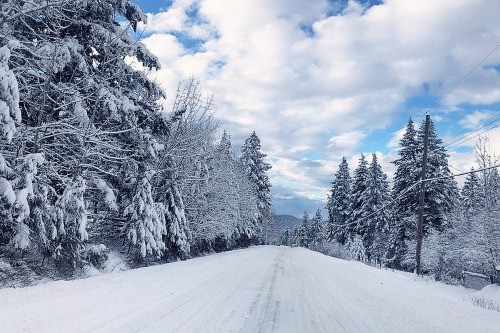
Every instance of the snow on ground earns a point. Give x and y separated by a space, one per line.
260 289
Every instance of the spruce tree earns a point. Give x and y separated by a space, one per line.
339 203
253 160
472 194
317 233
357 201
303 231
405 201
376 199
440 195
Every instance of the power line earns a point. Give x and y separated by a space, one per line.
463 78
472 126
475 136
463 173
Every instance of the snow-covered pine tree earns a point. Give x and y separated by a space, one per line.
71 215
472 194
317 231
405 201
303 231
338 204
357 202
356 249
375 205
178 234
440 195
253 160
145 228
24 195
9 115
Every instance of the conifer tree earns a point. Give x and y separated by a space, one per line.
440 195
405 201
357 201
303 231
472 194
338 204
253 160
317 233
375 227
145 228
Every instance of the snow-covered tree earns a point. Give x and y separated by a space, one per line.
440 195
472 194
357 200
339 203
253 160
24 195
374 229
356 249
145 227
303 231
317 231
405 201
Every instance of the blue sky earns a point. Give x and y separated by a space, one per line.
322 79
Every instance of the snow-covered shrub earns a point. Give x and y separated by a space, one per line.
95 255
356 249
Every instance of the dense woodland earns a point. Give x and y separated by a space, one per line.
371 220
90 159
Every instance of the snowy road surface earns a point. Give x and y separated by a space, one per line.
260 289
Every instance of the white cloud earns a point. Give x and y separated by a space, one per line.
325 92
471 121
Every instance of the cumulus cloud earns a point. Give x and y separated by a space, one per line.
309 81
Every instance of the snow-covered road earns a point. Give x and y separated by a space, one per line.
260 289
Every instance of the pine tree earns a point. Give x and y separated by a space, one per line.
376 199
145 227
317 232
253 160
440 195
472 194
405 199
71 222
303 231
338 204
357 200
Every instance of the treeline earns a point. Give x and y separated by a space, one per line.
372 221
88 155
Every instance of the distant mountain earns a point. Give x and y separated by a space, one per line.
286 221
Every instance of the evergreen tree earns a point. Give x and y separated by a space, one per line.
253 160
338 204
145 227
357 200
376 198
472 194
317 233
405 201
303 231
440 195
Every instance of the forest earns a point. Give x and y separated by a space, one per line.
90 159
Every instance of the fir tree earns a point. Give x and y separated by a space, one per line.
253 160
440 195
375 227
303 231
338 204
317 233
472 194
357 201
145 227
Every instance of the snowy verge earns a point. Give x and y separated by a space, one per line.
487 298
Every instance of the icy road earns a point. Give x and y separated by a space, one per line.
261 289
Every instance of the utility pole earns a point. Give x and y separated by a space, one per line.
420 228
